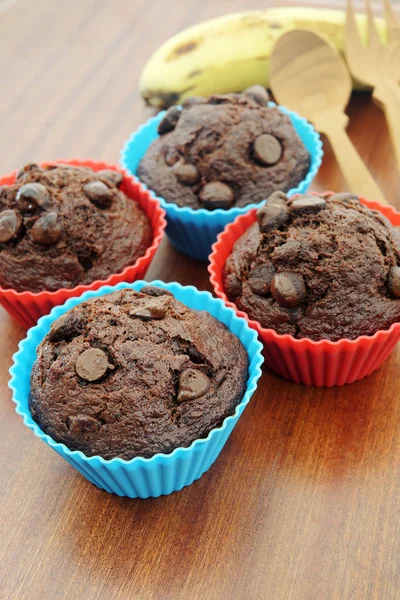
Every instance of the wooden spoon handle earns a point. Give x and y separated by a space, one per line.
356 174
387 96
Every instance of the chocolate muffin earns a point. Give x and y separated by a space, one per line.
133 374
62 226
230 150
317 267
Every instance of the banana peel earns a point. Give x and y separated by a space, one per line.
231 53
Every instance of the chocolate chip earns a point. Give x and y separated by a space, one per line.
24 170
152 290
216 195
260 278
171 157
150 311
277 198
267 149
192 384
186 173
92 364
114 177
259 94
394 281
79 424
66 327
10 224
345 197
272 216
192 101
288 289
98 193
47 229
307 204
168 123
31 196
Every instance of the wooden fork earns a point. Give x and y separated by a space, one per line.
377 65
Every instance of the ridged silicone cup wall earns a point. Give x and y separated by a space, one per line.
163 473
193 232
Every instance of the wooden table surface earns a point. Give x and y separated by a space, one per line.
304 501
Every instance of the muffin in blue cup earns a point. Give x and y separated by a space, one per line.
77 375
214 159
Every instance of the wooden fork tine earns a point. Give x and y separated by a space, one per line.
352 36
392 22
374 40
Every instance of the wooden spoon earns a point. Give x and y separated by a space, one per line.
308 76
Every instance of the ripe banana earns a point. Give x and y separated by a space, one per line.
230 53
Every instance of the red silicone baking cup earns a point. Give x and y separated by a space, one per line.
27 307
321 363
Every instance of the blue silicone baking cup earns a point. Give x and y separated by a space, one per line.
162 473
193 232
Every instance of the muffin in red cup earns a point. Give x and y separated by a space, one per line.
318 277
71 226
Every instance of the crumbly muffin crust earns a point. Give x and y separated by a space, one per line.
62 226
229 150
133 374
317 267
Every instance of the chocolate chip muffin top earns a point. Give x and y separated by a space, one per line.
317 267
133 374
62 226
230 150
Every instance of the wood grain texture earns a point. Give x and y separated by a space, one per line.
304 501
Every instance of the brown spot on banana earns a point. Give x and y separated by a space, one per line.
194 73
185 48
